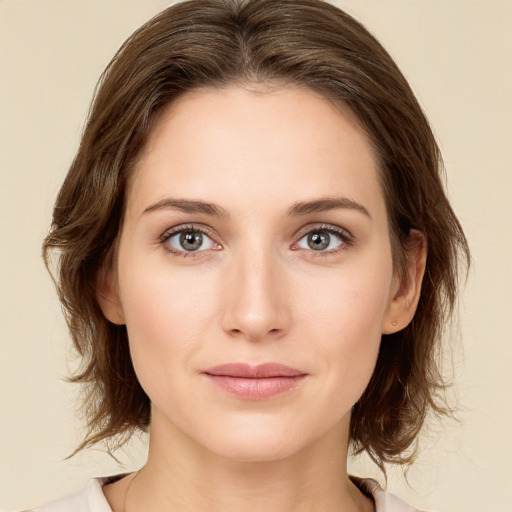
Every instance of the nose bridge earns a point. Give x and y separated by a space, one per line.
257 305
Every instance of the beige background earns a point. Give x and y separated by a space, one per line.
457 56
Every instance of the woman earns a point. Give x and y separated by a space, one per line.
256 259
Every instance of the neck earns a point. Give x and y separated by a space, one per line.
180 475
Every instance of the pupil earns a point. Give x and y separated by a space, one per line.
318 241
191 241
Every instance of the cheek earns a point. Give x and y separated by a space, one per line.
345 318
167 317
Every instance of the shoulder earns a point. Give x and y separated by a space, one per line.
88 499
384 501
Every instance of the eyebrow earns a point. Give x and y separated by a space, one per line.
327 203
189 206
296 210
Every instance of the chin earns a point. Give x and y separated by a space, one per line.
259 441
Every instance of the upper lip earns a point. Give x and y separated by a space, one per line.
247 371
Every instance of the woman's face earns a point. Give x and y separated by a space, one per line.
255 232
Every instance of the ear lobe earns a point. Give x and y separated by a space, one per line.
406 289
108 297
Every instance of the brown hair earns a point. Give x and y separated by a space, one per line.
213 43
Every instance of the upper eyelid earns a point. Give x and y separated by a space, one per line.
301 232
323 226
187 227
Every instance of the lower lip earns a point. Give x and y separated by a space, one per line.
256 388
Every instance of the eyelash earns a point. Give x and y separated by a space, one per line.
343 235
164 239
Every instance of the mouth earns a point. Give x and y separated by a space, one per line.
255 382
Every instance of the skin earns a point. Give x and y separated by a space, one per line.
254 292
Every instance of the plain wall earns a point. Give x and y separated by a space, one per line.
457 56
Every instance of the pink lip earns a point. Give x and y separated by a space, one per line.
255 382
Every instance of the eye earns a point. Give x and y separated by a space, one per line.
325 239
188 239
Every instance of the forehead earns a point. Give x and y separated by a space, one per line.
255 146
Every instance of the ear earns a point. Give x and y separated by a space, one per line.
406 289
108 297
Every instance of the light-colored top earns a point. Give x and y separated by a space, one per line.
92 499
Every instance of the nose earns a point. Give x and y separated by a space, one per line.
257 305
